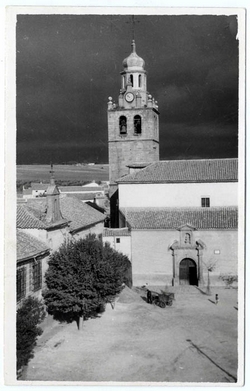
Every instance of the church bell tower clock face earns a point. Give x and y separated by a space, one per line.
129 97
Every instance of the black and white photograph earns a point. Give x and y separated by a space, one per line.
127 262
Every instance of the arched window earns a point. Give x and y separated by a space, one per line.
123 124
137 124
139 81
132 80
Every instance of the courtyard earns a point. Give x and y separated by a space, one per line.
194 340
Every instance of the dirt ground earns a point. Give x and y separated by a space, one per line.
192 341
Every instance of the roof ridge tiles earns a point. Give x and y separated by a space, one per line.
26 219
172 218
180 208
191 170
29 246
198 159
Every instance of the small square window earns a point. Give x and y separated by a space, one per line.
117 240
205 202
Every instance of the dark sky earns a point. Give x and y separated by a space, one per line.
68 66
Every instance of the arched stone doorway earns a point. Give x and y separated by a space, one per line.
188 272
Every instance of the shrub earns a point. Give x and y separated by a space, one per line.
229 279
28 317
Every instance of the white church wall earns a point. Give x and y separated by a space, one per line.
177 195
152 261
221 250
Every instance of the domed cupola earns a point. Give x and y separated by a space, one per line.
133 80
133 62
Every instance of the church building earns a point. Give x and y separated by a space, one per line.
176 219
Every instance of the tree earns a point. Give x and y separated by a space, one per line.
82 276
28 317
210 266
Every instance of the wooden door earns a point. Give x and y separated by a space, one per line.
188 272
184 272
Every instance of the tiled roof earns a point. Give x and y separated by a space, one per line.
28 246
33 215
78 214
44 186
39 186
173 218
83 196
116 232
95 206
21 200
112 189
80 189
27 191
52 190
26 219
178 171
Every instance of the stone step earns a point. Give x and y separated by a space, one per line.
186 290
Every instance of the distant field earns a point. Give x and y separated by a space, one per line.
98 172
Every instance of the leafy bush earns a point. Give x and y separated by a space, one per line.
229 279
28 317
82 277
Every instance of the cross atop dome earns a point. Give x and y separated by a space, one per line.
133 61
133 46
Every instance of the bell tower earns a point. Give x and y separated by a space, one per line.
133 123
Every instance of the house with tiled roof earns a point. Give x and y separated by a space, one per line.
48 225
182 216
58 217
36 189
31 265
32 220
85 193
82 218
